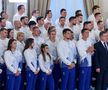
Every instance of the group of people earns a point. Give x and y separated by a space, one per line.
43 55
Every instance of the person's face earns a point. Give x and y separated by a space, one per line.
80 18
21 37
71 36
5 15
13 45
11 34
17 24
62 21
97 10
104 37
52 35
37 13
67 35
86 34
74 21
4 33
26 21
64 14
46 49
36 32
3 23
41 22
101 25
47 25
23 9
50 14
98 17
89 26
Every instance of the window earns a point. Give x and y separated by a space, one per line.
70 5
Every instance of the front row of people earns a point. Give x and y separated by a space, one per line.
43 70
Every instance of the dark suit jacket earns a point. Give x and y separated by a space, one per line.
100 56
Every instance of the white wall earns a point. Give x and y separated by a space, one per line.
70 5
12 8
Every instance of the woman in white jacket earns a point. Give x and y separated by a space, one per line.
13 60
32 68
46 63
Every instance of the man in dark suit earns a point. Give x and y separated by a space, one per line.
101 62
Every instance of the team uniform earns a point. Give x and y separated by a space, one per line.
85 64
13 62
32 65
43 32
59 30
56 70
67 53
38 41
17 16
46 81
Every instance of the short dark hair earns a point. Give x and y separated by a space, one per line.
86 22
61 17
19 7
48 11
97 14
95 7
83 30
102 33
62 10
77 12
39 18
23 18
99 22
72 18
66 30
78 15
2 29
31 23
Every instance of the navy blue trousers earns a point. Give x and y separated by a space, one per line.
13 82
31 80
68 80
46 81
84 78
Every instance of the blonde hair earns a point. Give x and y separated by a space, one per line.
19 34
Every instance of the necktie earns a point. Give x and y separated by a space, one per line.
105 46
